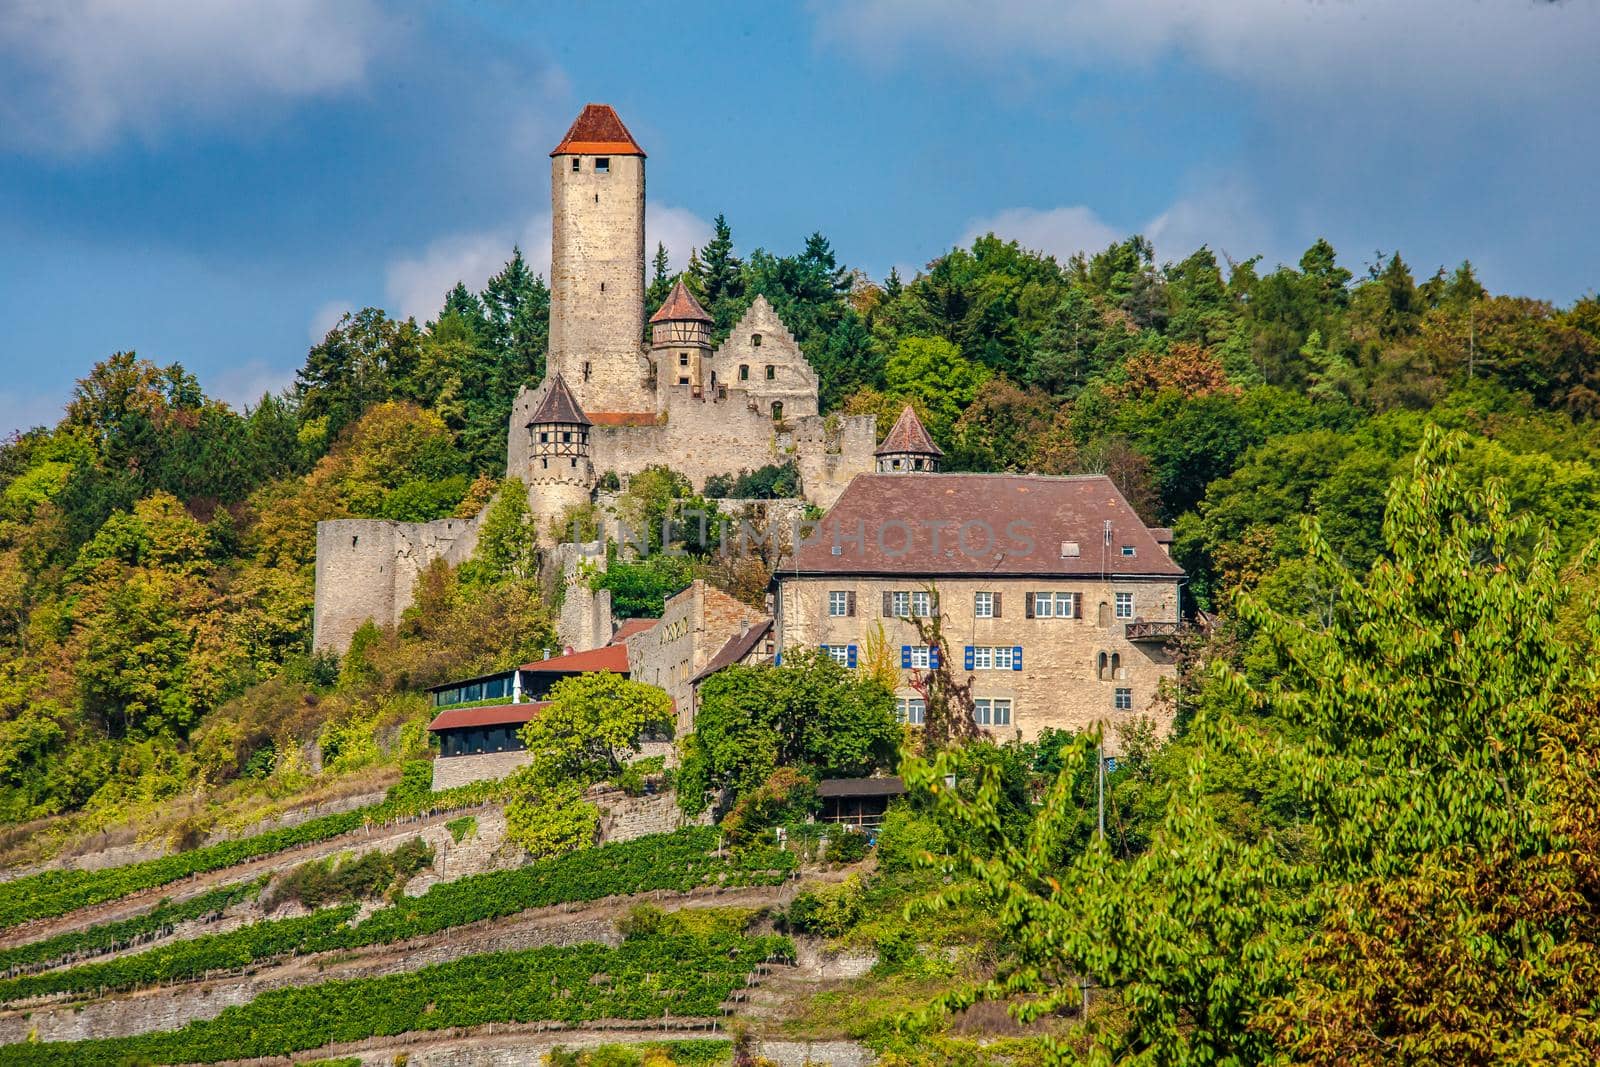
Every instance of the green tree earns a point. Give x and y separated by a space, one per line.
934 371
809 713
508 542
592 727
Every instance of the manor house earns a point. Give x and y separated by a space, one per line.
613 401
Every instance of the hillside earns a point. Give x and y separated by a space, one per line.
220 846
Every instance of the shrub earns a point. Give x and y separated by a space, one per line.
462 828
828 910
323 881
847 846
905 837
786 796
552 821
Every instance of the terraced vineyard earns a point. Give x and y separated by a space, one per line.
678 862
666 973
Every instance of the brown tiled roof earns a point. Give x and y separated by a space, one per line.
559 406
1163 534
494 715
681 305
597 132
738 647
623 418
631 627
907 435
612 658
890 786
911 524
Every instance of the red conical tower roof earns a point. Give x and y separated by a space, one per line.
681 306
597 132
559 406
908 436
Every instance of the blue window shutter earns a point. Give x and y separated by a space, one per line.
933 657
777 658
905 657
850 653
1016 657
969 658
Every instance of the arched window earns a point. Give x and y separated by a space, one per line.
777 411
744 372
1104 615
1116 664
755 340
772 372
1100 667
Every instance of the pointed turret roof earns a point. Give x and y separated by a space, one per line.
908 436
681 305
559 406
597 132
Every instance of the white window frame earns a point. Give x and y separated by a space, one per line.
920 660
838 603
840 654
992 711
921 604
1044 605
982 658
913 711
983 605
900 604
1122 699
1123 605
1004 657
1066 606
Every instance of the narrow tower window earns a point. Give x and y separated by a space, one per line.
575 164
602 165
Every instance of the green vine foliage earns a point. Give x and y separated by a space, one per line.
674 862
51 893
673 973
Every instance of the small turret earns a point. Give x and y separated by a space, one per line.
560 473
907 447
680 339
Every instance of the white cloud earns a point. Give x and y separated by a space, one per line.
680 229
76 75
1456 52
326 318
1222 216
416 285
1060 231
244 386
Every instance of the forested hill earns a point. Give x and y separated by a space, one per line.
156 547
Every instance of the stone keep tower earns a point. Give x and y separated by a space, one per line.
560 473
597 264
680 341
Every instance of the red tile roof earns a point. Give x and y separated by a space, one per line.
622 418
907 435
597 132
631 627
559 406
1016 524
495 715
681 305
612 658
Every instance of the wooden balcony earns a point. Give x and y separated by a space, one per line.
1140 630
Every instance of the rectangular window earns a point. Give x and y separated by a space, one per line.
983 605
840 654
1124 605
900 605
576 164
683 359
921 605
1128 550
744 372
1066 605
838 603
994 657
982 658
992 711
1123 700
910 710
772 372
602 165
918 657
1043 605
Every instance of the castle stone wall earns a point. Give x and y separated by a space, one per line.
597 281
367 568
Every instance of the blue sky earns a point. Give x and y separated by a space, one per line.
214 183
